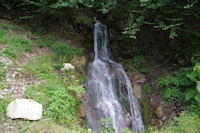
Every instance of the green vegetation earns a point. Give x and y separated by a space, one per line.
3 36
17 45
63 51
183 86
55 93
78 51
146 111
3 105
186 122
2 71
171 94
107 125
138 62
2 76
45 41
142 23
84 19
146 88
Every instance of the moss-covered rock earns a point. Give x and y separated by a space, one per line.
146 111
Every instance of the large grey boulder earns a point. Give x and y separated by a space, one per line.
25 109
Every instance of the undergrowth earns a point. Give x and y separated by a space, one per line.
139 63
3 72
3 36
46 41
185 123
3 105
17 45
183 86
58 95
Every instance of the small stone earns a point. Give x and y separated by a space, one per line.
68 66
164 118
89 130
159 111
25 109
137 89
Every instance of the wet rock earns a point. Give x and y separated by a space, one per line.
137 89
159 111
79 63
81 111
25 109
128 119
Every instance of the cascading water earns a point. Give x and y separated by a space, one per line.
105 86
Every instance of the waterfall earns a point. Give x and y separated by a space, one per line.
106 82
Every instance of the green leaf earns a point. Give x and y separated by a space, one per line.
197 98
198 86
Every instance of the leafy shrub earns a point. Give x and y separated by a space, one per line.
62 106
146 88
195 77
138 62
63 51
171 94
188 81
17 45
78 51
46 41
186 123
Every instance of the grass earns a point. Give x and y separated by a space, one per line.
63 51
55 93
3 36
46 41
2 76
17 45
3 105
3 25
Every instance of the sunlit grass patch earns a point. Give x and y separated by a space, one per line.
17 45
